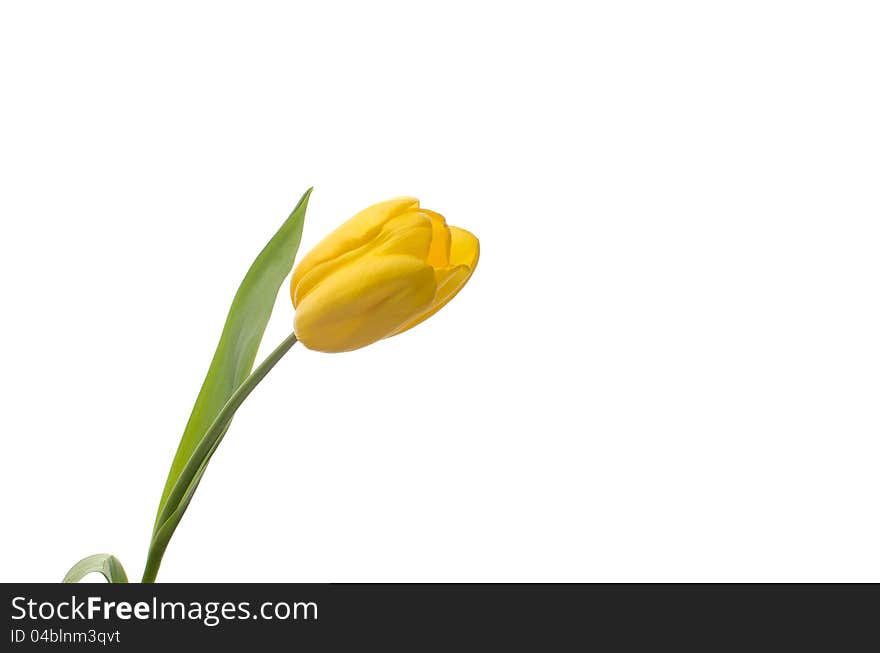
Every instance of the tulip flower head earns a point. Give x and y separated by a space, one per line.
390 267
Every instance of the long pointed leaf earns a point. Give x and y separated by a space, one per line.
191 475
242 333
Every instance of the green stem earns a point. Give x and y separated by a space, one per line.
181 493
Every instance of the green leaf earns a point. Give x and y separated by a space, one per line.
239 342
188 481
103 563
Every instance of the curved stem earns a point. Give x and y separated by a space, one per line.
181 493
103 563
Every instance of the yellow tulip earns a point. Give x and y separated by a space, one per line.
387 269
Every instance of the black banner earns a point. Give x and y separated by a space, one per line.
416 616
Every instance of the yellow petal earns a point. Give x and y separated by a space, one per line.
464 248
407 234
464 255
364 302
360 229
438 256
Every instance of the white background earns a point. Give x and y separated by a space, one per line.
666 367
